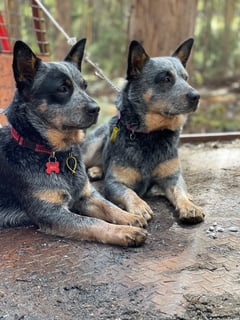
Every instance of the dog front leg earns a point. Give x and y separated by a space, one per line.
70 225
93 204
48 210
188 211
121 195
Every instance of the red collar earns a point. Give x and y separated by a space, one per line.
28 143
133 131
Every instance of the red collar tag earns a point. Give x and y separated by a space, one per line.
52 165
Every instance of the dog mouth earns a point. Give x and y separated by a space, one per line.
74 121
176 112
82 124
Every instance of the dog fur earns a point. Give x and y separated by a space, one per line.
43 181
138 148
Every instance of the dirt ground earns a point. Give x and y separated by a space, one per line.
182 272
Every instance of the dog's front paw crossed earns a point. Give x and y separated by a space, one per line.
141 208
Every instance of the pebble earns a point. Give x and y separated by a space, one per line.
211 228
220 229
233 229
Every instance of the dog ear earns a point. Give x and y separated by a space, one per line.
76 53
25 64
137 57
183 51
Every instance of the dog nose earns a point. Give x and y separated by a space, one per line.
193 97
93 108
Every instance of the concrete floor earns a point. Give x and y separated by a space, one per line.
180 273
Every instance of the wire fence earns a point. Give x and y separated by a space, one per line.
19 20
23 19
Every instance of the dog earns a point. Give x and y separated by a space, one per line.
43 181
137 150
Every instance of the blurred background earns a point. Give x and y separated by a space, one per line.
160 25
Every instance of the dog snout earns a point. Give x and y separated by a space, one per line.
92 109
193 97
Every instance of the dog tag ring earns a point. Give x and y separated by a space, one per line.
71 163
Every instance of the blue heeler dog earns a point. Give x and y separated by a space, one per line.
138 148
42 177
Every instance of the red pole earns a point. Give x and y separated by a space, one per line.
4 38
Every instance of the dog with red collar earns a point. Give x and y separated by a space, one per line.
43 181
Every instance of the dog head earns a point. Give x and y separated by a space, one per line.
157 89
51 96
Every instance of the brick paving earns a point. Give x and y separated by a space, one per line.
38 270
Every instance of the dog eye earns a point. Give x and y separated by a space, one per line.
163 77
167 79
84 84
62 89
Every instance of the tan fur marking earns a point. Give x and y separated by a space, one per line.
68 82
95 173
52 196
60 140
57 121
26 66
126 175
75 58
86 191
138 61
147 95
166 168
155 121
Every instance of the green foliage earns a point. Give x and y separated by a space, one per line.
215 117
216 55
104 23
217 45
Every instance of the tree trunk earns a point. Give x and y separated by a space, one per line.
64 18
161 25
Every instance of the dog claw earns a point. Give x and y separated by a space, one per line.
148 214
136 238
132 220
142 209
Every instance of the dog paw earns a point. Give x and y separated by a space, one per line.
95 173
133 236
191 214
142 209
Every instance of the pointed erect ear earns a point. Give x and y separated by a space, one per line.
76 53
137 58
25 64
183 51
